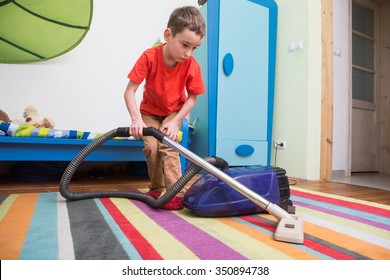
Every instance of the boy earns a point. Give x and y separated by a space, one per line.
169 70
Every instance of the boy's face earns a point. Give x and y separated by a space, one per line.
182 45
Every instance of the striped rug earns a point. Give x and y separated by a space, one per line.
43 226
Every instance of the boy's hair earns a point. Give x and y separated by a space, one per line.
187 17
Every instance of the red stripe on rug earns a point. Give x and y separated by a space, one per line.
340 202
268 226
144 248
323 249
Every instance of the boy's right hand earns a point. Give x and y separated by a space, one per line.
136 129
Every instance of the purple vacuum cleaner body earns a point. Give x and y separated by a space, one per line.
211 197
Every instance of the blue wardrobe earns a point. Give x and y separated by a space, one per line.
233 119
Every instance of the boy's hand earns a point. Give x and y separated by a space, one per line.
136 129
170 129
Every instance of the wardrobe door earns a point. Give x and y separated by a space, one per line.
242 99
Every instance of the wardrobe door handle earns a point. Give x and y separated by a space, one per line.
228 64
245 150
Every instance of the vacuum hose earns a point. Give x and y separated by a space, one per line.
124 132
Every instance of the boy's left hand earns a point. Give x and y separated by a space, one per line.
171 130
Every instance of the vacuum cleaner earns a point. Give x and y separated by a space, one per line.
223 191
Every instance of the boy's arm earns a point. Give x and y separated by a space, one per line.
171 128
137 123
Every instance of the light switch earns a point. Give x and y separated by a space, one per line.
295 46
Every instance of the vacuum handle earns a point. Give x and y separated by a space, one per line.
151 131
147 131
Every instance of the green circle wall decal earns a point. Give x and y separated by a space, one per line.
38 30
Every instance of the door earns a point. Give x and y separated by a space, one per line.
365 110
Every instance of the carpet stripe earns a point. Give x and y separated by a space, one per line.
345 208
332 250
6 204
343 215
131 252
367 218
47 227
235 239
269 226
161 239
3 197
327 251
92 238
257 233
198 241
365 232
41 240
14 226
64 235
372 207
141 244
349 243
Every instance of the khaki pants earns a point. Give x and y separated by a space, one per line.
163 162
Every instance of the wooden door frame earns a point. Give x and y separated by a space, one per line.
326 90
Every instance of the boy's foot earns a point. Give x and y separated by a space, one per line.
153 193
175 204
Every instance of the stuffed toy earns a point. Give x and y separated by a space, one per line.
31 117
4 117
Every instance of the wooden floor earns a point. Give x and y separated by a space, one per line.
82 182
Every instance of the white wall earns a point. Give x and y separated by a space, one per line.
83 89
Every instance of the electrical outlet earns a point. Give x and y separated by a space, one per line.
280 144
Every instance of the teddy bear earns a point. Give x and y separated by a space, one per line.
31 117
4 116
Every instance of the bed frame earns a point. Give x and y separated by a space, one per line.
57 149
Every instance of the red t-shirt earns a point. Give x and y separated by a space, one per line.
164 86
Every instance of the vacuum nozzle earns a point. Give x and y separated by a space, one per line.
290 230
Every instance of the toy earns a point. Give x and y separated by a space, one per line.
4 116
31 117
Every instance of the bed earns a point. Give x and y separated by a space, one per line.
27 143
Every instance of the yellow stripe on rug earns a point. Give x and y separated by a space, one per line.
4 207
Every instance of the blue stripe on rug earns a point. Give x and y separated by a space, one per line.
41 242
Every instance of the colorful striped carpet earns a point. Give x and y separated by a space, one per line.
44 226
